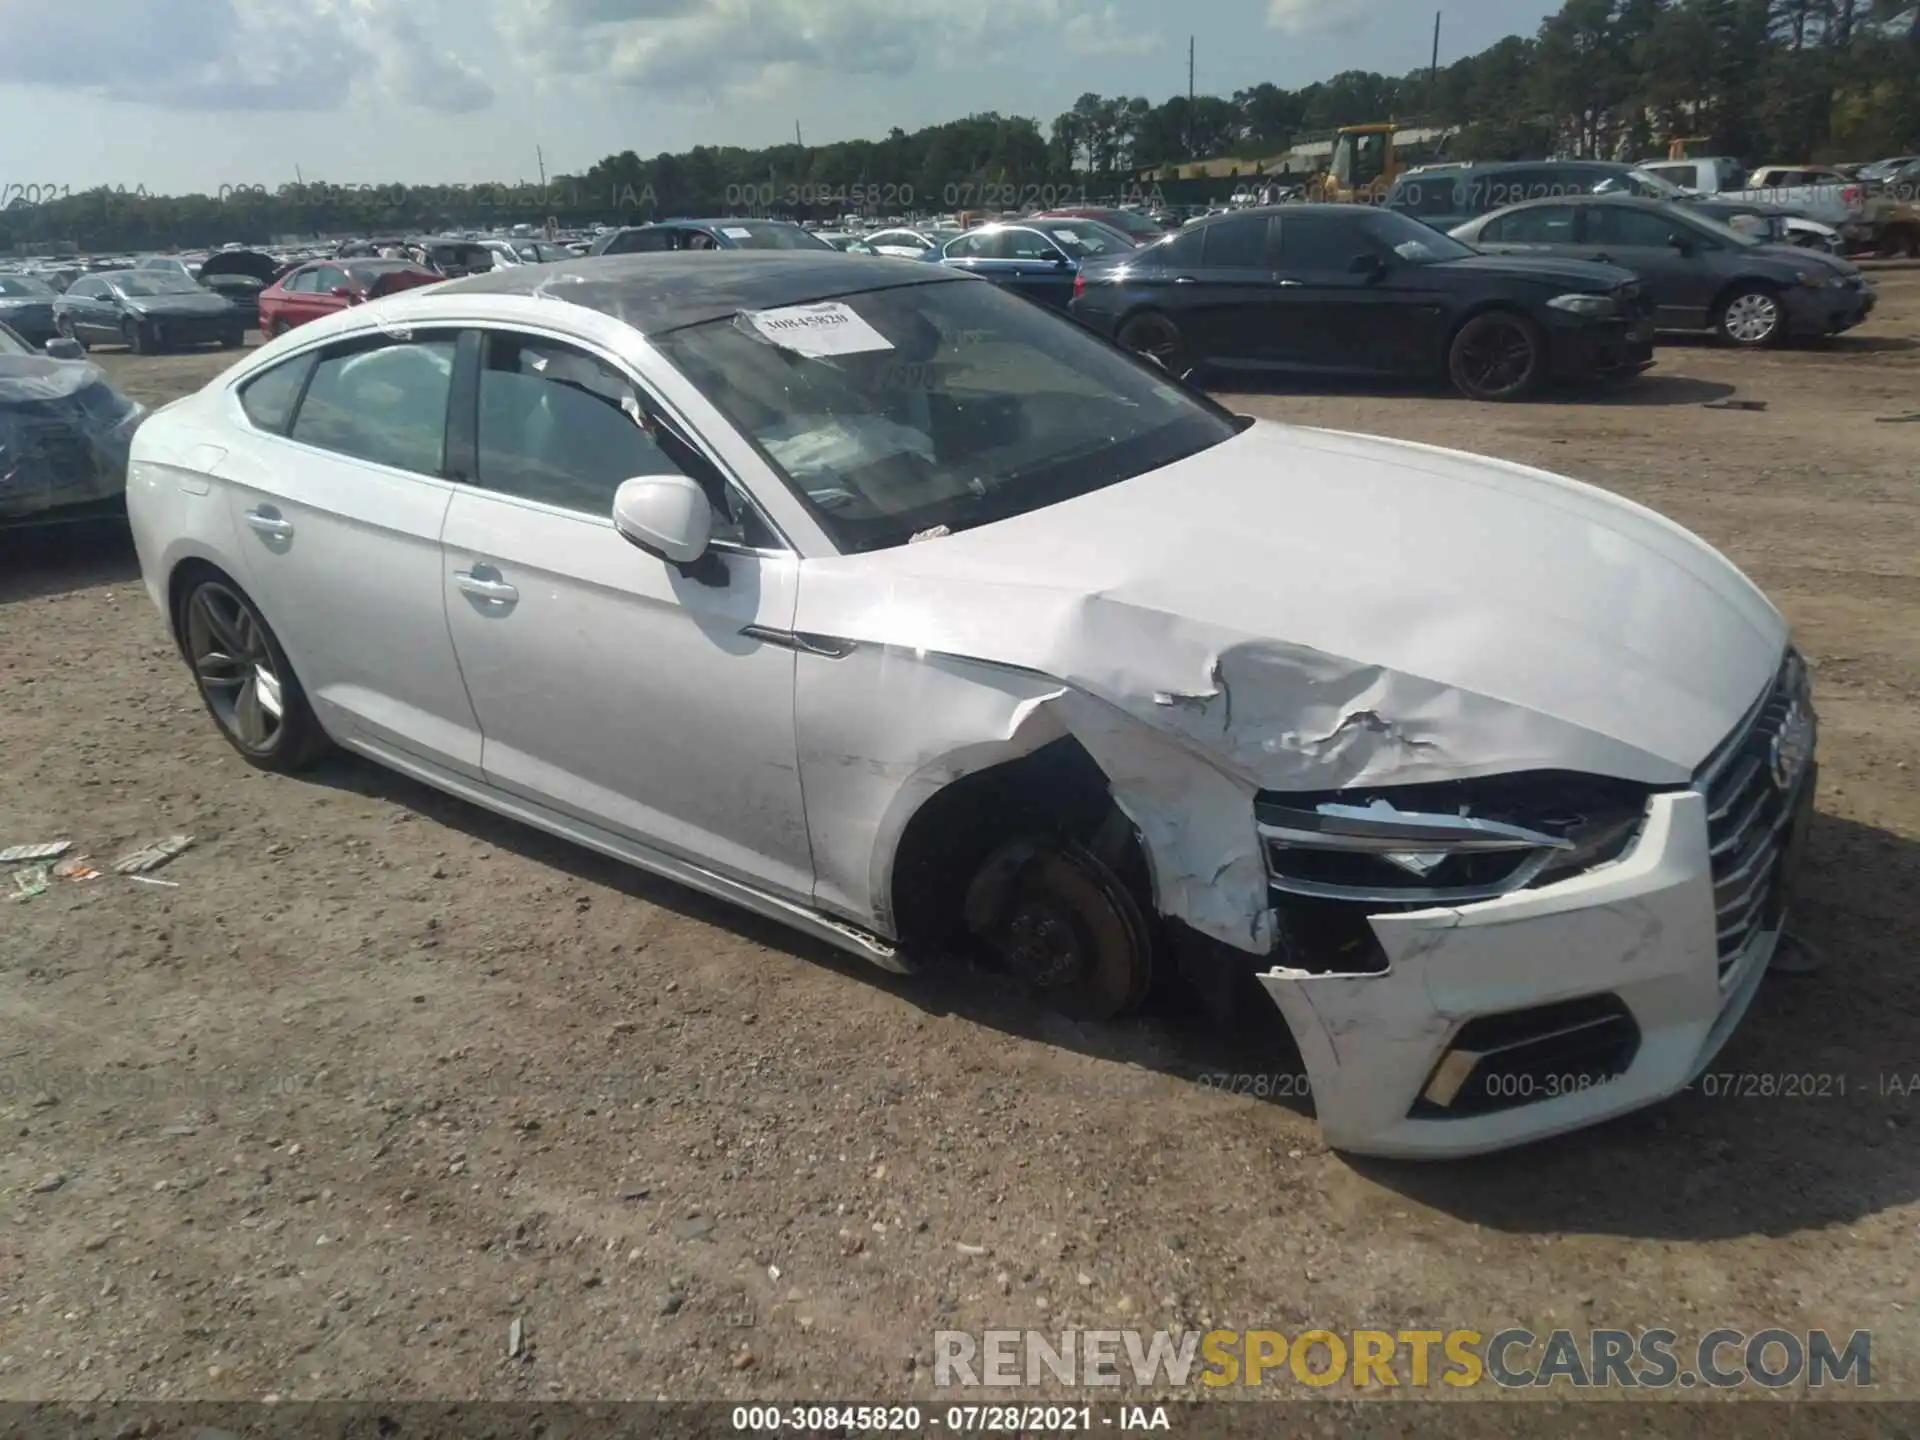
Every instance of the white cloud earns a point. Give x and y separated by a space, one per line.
1105 32
235 55
1316 17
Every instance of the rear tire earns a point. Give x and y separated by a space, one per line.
139 339
233 340
244 678
63 327
1751 317
1497 356
1155 337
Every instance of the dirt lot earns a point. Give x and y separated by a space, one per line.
384 1074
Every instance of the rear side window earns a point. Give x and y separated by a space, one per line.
269 398
1182 252
384 402
1236 244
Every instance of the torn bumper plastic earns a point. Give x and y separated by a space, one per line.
1638 934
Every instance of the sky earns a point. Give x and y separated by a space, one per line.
196 95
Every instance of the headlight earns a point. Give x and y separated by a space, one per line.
1584 304
1447 843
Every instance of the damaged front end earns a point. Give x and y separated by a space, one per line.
65 434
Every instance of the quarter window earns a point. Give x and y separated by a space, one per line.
382 401
269 399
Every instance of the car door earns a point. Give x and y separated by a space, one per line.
78 308
1216 282
1331 316
1029 263
299 290
1637 238
338 502
609 684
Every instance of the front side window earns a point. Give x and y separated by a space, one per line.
384 401
565 428
1022 244
1628 227
1537 225
959 405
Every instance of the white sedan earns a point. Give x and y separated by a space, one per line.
878 600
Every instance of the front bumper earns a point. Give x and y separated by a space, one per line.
1610 348
1828 311
1673 949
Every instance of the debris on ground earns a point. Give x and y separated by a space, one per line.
14 854
30 882
149 880
76 867
516 1339
1731 404
153 856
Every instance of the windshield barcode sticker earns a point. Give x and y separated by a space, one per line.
829 328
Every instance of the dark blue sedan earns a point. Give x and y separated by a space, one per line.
1036 258
706 235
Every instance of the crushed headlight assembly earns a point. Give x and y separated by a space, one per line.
1584 304
1449 843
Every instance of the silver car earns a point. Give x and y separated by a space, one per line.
878 600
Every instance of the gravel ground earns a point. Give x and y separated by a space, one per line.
384 1079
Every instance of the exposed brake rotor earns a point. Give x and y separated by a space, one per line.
1065 924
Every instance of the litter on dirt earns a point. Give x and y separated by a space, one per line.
76 867
1735 405
152 857
146 880
14 854
30 882
1907 419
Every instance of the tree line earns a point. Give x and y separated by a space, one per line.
1787 80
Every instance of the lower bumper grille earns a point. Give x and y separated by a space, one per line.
1754 787
1501 1062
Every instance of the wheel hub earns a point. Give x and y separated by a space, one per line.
1043 943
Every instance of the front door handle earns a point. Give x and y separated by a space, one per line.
482 583
1604 258
1289 284
266 520
1184 280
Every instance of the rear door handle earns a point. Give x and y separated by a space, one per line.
266 520
482 582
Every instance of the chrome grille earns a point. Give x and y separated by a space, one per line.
1748 813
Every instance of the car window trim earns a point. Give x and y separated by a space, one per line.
648 396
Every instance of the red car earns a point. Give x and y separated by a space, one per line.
324 286
1130 223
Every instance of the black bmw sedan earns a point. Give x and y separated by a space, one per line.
1355 290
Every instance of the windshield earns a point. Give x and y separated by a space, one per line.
24 287
1413 241
1083 239
1638 182
153 282
752 235
961 405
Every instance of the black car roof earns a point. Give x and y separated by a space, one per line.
1637 202
672 290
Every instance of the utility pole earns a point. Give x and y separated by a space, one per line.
1433 70
1190 97
796 136
540 159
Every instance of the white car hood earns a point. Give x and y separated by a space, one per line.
1314 610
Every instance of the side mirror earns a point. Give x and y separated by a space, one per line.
668 516
1681 243
63 348
1367 264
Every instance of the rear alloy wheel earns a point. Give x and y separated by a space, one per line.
1496 356
1751 318
139 339
244 678
1156 338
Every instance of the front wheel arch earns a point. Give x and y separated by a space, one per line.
1733 289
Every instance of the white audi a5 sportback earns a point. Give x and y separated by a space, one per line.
881 601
